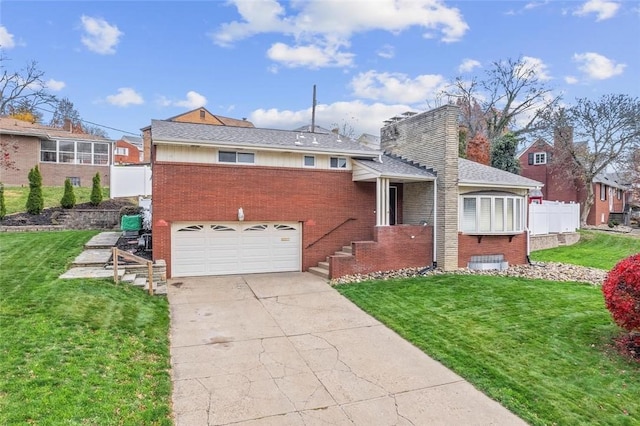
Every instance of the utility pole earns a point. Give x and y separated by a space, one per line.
313 111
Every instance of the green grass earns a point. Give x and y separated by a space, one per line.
15 197
542 349
77 351
596 249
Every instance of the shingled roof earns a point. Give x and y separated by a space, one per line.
393 167
12 126
475 174
270 139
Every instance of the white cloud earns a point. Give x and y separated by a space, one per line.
397 87
126 96
597 67
386 51
571 80
603 9
55 85
327 24
362 117
6 38
309 56
100 36
539 67
193 100
468 65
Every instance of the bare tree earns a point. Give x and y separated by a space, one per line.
22 89
606 132
511 90
65 115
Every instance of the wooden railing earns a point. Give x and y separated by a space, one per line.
133 258
329 232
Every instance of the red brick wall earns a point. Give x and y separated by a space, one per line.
515 252
394 247
320 199
55 174
557 186
602 206
132 158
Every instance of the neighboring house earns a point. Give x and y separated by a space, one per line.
229 200
611 193
128 150
59 154
200 116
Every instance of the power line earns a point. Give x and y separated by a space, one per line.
94 124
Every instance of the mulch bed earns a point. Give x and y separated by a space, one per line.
47 215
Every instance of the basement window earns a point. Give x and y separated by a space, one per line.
491 213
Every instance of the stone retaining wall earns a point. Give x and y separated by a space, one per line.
90 219
32 228
547 241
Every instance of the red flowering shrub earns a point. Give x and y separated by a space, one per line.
621 292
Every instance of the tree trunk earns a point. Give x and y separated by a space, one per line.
588 203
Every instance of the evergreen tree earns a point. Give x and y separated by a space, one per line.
503 154
3 208
35 202
96 190
69 198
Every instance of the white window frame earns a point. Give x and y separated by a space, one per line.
474 221
76 156
311 157
122 151
539 158
238 157
341 162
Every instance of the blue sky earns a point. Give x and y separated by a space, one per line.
123 63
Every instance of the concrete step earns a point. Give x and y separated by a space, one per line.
104 240
347 249
89 272
323 265
321 272
92 258
140 282
342 253
128 278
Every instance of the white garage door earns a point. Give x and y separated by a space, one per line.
234 248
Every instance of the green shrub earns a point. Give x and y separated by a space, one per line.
69 198
35 202
96 191
3 208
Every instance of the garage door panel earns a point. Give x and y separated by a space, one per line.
232 248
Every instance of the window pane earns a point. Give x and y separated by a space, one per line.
101 148
469 215
309 161
246 157
66 146
518 214
485 215
227 157
338 163
499 215
509 214
48 145
48 157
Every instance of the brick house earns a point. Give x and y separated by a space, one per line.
611 192
58 153
230 200
128 150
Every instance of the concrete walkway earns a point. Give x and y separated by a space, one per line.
287 349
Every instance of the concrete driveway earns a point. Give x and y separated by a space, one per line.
287 349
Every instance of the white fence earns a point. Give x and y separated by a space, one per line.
552 217
130 181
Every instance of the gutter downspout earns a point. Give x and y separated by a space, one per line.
435 222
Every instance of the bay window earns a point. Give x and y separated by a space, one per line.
491 213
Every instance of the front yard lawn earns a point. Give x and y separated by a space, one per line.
542 349
597 249
77 351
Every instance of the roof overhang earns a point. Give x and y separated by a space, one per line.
480 184
362 173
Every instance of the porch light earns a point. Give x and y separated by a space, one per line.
240 214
